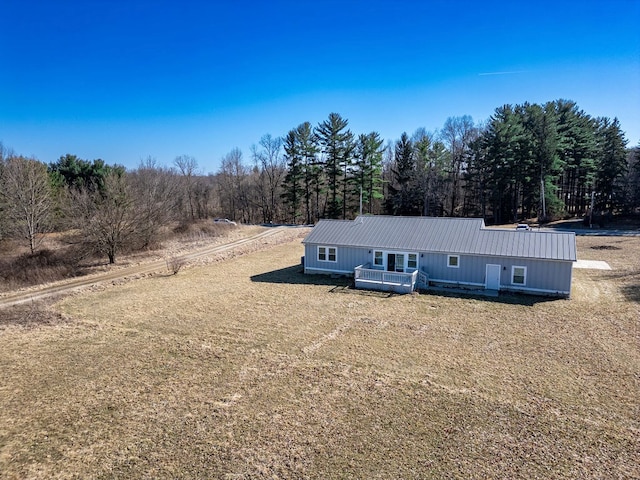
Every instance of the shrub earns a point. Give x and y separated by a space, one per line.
174 264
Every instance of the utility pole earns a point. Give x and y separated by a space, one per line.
544 206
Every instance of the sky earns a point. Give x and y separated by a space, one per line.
127 80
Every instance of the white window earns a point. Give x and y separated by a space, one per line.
412 261
453 261
378 258
519 275
327 254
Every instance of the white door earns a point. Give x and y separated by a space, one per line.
492 280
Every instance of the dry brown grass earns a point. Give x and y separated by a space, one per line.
249 369
64 255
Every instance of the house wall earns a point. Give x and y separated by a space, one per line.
347 259
543 276
547 276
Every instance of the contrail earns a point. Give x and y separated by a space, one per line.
502 73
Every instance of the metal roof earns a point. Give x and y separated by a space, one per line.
444 235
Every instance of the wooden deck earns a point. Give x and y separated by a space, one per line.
372 279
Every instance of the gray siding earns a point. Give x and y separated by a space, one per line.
548 276
544 275
348 258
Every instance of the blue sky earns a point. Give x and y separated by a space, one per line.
125 80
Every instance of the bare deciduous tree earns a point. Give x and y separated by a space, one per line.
155 190
271 167
232 183
188 168
107 218
457 134
25 188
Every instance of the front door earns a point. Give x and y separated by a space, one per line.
492 281
391 262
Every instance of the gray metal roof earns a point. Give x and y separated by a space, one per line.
443 235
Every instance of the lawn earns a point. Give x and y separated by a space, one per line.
247 368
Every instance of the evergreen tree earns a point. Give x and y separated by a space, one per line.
313 174
502 141
633 182
402 192
543 163
78 173
336 142
368 169
422 144
576 150
292 185
476 180
611 166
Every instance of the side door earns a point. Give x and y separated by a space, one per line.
492 277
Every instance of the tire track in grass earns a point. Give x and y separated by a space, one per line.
332 335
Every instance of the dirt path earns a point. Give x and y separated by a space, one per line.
66 286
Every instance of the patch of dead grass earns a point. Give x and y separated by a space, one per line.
249 369
35 314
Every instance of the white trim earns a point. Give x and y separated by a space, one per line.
486 275
524 282
326 270
453 282
327 249
404 253
503 288
537 290
449 257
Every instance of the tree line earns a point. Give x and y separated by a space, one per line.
529 160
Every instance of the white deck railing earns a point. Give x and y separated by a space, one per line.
383 280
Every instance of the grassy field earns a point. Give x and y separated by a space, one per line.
249 369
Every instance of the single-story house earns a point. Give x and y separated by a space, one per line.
404 253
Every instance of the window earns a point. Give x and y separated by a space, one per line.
453 261
327 254
519 275
395 262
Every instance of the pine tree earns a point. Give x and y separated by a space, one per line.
368 169
313 175
402 190
633 183
336 142
576 149
503 141
292 184
476 184
544 164
611 165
